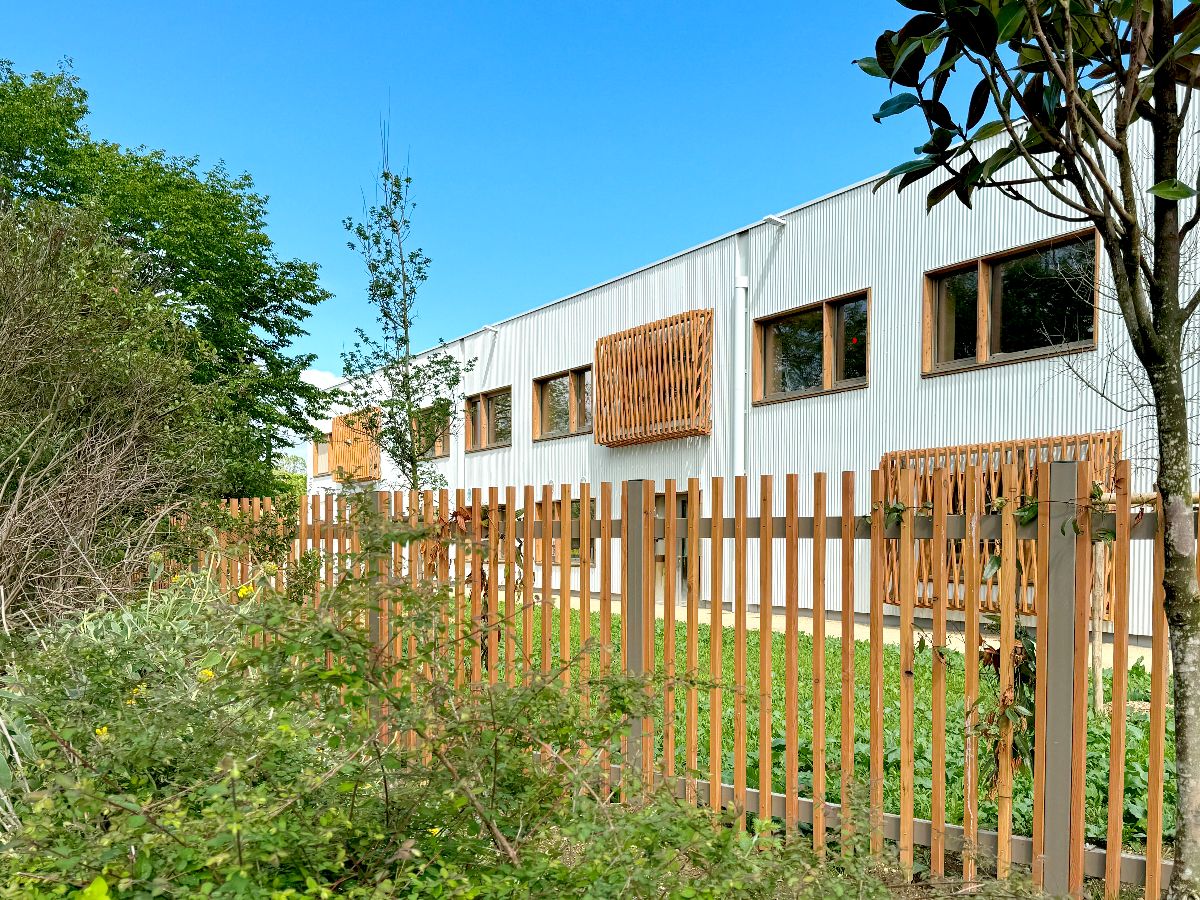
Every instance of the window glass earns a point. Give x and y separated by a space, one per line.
556 406
957 315
852 340
322 457
583 399
473 423
1044 298
796 352
499 419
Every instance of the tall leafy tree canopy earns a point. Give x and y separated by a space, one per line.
204 236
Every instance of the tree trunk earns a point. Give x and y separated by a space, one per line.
1182 603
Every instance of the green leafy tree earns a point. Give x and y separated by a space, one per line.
201 237
1071 101
407 402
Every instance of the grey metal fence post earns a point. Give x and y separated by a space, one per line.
1058 670
633 571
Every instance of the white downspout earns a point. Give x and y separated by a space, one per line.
741 371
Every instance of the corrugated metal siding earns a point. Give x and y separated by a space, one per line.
848 241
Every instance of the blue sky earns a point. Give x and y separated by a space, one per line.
552 145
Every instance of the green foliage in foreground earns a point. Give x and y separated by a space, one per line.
167 749
1137 728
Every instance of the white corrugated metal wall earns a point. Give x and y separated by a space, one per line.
851 240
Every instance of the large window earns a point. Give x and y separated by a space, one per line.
821 347
1030 302
489 420
562 404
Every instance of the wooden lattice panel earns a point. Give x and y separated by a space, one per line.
1101 449
351 449
654 382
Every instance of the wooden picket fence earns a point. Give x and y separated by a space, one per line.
562 555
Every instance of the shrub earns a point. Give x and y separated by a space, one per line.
259 745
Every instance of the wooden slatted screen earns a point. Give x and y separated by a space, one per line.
1102 449
654 382
351 449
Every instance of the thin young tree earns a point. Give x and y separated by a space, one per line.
1078 109
407 402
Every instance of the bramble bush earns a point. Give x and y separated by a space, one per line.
249 744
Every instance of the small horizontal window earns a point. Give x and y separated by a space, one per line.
489 420
563 404
822 347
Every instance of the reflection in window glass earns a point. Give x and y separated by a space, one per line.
556 406
583 399
795 355
474 435
1044 298
852 340
957 315
499 417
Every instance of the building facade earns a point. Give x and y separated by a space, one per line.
816 340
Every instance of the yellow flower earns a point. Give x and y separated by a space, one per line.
435 831
207 674
102 731
245 591
131 702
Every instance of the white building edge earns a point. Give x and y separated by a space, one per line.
850 242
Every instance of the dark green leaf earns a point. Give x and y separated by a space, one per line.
938 114
939 193
975 27
1008 20
924 167
895 105
1173 189
870 65
918 26
979 102
990 129
992 567
909 62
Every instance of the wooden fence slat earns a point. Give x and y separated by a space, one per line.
848 674
1082 609
716 631
791 653
939 581
510 585
529 515
547 591
474 632
1158 723
564 583
972 503
648 625
605 513
878 592
670 529
1008 624
765 646
460 573
819 547
1041 684
692 560
907 592
1120 685
739 647
585 586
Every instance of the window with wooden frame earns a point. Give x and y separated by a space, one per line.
489 420
353 450
1037 300
812 349
320 455
562 404
440 448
